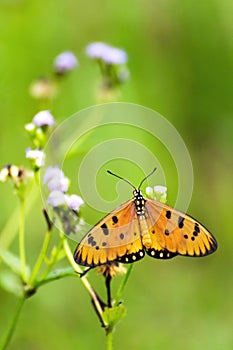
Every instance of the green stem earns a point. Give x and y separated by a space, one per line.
22 253
11 328
53 261
40 257
55 275
122 285
10 229
84 281
109 339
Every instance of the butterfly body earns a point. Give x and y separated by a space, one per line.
143 225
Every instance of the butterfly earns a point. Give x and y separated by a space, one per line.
143 225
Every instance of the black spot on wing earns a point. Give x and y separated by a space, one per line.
105 229
114 219
180 221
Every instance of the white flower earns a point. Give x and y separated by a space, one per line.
43 118
60 183
52 172
56 198
30 127
149 191
65 62
161 190
74 202
36 155
4 173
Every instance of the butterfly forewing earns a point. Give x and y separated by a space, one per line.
176 232
115 238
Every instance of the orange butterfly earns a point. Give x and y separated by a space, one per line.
143 225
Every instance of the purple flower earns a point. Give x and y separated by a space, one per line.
37 155
96 50
107 53
65 62
58 184
115 56
56 198
43 118
52 172
74 202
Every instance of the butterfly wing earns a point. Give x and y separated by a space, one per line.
173 232
115 238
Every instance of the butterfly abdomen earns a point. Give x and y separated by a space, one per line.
139 202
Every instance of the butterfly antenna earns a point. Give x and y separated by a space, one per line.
146 178
121 178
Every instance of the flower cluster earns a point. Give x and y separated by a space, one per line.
66 206
157 192
38 130
112 61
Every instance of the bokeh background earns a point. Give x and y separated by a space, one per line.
180 59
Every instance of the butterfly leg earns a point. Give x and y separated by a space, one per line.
85 271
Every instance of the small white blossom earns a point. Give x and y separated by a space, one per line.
58 184
30 127
149 191
162 190
43 118
4 173
65 62
53 172
56 198
36 155
74 202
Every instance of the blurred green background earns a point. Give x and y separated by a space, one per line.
180 59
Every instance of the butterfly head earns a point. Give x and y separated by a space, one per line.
137 193
139 201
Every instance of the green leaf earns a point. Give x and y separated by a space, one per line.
113 315
13 262
11 283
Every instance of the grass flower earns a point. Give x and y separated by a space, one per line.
106 53
157 192
43 88
58 184
52 172
56 198
64 63
37 157
74 202
43 118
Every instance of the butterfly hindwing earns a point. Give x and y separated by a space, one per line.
115 238
173 232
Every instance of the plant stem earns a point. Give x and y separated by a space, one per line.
84 281
109 339
55 275
40 257
22 253
122 285
11 328
10 229
53 261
